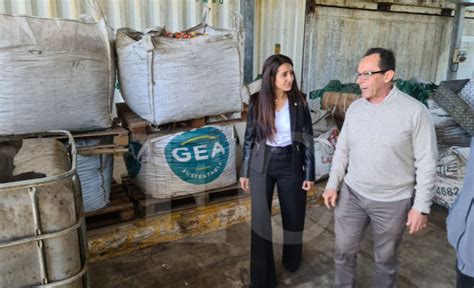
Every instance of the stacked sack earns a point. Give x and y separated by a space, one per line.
167 79
454 123
184 163
56 74
95 173
170 77
450 173
59 74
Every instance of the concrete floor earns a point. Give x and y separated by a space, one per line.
221 259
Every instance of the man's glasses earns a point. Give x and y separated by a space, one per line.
366 75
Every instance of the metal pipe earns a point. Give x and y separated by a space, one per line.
38 232
458 27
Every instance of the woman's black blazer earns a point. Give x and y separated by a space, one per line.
301 138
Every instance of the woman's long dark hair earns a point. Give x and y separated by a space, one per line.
264 103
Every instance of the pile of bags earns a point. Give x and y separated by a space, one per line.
166 78
454 122
184 163
60 74
57 71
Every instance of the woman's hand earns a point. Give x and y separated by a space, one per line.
307 185
244 183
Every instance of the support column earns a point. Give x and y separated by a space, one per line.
247 9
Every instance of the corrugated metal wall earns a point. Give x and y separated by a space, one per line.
279 22
276 21
420 3
327 53
138 14
336 38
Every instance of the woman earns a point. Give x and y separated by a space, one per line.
279 149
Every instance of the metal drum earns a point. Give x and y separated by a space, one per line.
42 227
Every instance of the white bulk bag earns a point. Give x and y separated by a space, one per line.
165 80
188 162
55 74
450 173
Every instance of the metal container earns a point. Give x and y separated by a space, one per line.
42 228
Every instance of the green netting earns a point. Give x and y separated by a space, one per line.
417 90
335 86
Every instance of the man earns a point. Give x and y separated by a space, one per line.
388 146
460 226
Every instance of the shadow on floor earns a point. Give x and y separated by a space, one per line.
220 259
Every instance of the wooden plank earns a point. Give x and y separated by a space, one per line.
227 122
121 140
131 119
116 207
107 132
140 129
117 147
121 209
198 122
127 215
140 195
89 151
149 206
138 133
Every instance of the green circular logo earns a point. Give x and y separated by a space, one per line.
199 156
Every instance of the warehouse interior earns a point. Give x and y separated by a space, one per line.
124 122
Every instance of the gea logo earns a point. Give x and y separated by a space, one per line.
199 156
199 152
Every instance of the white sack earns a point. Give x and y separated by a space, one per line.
450 173
95 174
188 162
324 147
55 74
322 121
41 155
165 80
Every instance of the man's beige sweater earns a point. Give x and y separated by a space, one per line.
388 150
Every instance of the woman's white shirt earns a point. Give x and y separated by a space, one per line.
282 136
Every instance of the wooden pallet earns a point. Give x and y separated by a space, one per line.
118 145
121 209
139 128
148 206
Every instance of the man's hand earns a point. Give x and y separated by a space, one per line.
307 185
330 196
244 183
416 221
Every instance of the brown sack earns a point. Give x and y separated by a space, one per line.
338 103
